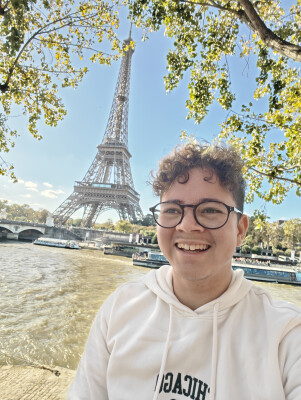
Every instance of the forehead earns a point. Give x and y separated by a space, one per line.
202 184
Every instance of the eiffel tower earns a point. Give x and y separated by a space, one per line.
108 184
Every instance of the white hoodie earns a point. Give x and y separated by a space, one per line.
241 346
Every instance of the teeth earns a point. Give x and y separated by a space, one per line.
192 247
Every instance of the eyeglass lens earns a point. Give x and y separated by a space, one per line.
209 214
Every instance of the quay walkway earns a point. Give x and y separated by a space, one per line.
29 383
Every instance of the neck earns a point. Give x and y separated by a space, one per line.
195 294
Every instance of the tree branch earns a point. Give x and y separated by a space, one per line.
264 121
276 177
269 38
290 168
75 45
71 17
249 16
72 22
55 71
214 5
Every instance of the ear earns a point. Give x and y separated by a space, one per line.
242 228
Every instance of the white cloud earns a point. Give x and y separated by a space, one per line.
30 185
28 196
20 181
52 194
47 184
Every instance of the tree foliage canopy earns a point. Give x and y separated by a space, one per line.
206 34
17 212
40 41
280 236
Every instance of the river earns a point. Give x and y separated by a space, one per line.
49 297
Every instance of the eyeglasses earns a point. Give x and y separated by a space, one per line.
208 214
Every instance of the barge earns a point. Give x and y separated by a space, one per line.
266 273
276 274
126 249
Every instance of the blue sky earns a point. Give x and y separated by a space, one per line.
47 169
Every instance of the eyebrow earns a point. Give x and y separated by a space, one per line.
200 201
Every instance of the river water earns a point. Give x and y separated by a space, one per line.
49 298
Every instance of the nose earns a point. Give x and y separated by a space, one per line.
188 222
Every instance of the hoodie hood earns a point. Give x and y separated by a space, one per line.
160 282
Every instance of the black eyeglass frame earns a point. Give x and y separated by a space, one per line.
194 206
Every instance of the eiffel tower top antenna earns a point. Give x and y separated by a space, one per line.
117 126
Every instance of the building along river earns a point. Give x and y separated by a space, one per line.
49 298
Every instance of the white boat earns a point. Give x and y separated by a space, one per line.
67 244
268 273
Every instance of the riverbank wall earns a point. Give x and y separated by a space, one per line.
30 383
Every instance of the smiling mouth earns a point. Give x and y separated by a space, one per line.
192 248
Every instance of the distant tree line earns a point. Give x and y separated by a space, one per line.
281 236
17 212
144 226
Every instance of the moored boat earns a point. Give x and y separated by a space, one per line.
119 249
276 274
149 259
268 273
125 249
52 242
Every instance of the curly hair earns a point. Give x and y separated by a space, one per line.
221 160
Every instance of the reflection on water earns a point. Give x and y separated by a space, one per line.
49 297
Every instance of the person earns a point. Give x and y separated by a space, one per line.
194 329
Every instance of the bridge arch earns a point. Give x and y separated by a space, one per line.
5 229
29 234
5 232
35 229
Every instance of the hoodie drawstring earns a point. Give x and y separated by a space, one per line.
165 352
213 356
214 352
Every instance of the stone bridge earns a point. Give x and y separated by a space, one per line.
16 230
